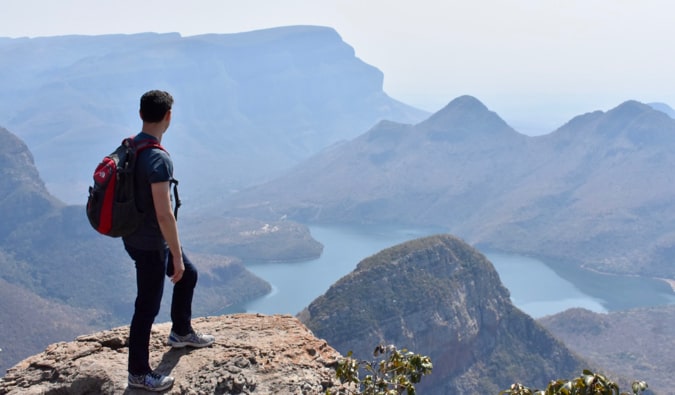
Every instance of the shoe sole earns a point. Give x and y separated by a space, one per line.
188 344
158 389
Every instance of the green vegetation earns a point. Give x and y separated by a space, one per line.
588 383
397 373
399 370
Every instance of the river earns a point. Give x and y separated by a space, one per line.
537 288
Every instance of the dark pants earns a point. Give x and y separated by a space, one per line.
151 266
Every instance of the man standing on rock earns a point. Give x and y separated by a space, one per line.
155 247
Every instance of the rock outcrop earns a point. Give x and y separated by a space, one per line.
252 354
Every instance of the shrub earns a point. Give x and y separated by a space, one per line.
588 383
396 373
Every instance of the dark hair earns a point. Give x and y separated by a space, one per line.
154 105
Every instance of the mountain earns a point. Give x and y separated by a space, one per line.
27 210
597 191
30 322
24 194
645 336
252 354
663 107
248 105
397 172
439 297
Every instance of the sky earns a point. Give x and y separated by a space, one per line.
537 63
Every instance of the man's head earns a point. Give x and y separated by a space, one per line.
154 105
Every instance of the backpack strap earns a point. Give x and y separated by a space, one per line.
140 145
175 196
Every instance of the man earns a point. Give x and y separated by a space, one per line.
155 247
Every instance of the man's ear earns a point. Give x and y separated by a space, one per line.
167 116
140 114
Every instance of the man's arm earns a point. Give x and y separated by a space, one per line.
161 197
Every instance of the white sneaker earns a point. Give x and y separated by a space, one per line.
192 339
151 381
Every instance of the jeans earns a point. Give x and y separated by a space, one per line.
151 266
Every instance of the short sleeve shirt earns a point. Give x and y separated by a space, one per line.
153 165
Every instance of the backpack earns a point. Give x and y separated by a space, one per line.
111 206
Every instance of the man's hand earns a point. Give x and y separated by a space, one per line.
178 268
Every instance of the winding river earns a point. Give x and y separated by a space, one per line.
536 287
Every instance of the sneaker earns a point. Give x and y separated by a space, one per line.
192 339
151 381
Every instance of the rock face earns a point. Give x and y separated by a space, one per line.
252 354
439 297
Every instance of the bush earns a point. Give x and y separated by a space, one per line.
397 373
588 383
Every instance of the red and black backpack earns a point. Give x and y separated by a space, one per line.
111 206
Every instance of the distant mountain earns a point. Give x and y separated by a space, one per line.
27 312
647 350
597 191
248 105
24 196
663 107
399 173
439 297
50 247
30 322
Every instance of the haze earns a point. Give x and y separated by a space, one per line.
537 63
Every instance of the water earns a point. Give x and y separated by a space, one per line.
536 288
296 285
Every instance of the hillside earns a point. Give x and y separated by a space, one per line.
596 192
440 297
663 107
636 344
29 322
24 194
248 105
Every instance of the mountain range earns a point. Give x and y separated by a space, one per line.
247 105
596 192
593 192
290 109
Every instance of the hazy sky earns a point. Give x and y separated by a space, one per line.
537 63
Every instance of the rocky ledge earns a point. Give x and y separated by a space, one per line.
253 354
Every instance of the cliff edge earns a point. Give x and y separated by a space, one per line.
252 353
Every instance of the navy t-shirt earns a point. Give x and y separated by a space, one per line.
153 165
